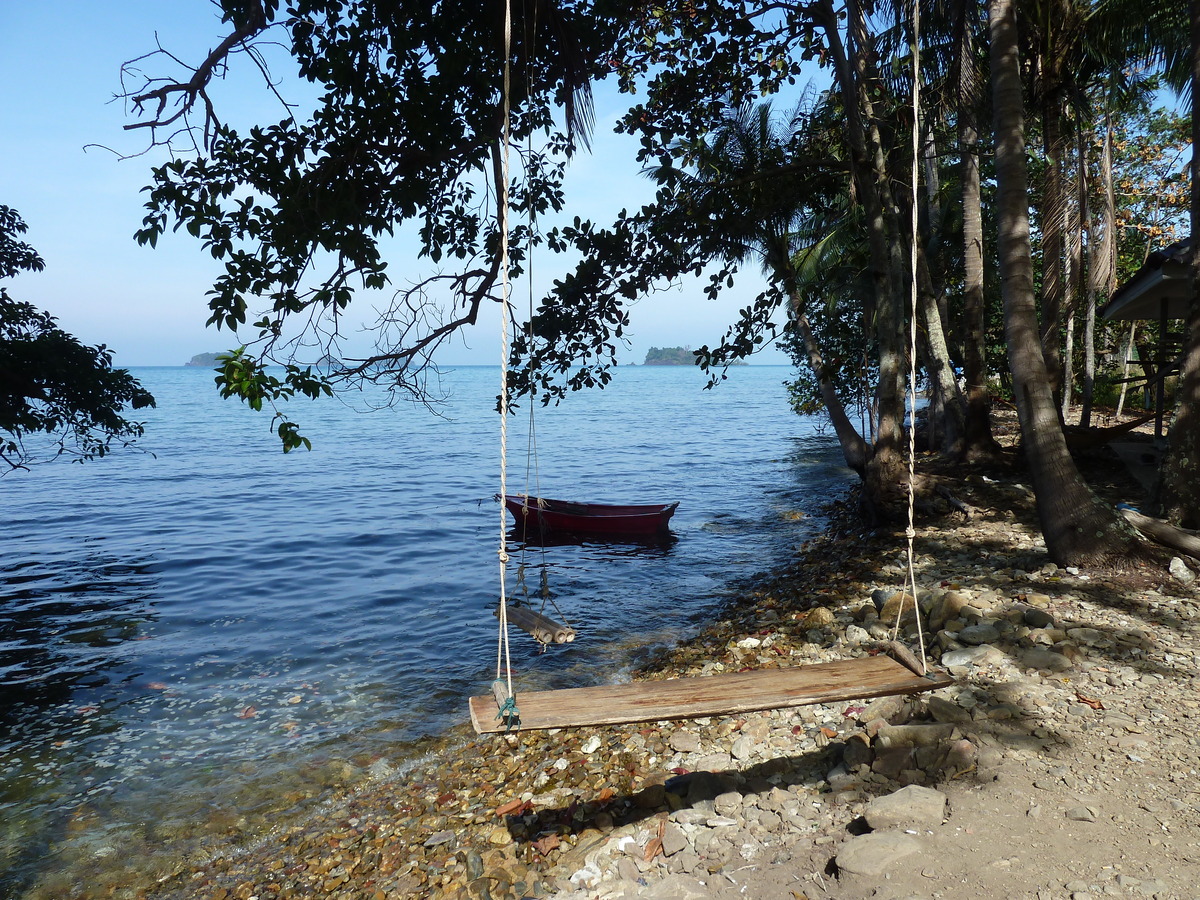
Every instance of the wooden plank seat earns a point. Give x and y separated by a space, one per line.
708 695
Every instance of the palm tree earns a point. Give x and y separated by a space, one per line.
1077 526
757 201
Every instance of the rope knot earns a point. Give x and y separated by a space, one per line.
910 532
503 554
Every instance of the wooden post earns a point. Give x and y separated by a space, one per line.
1160 396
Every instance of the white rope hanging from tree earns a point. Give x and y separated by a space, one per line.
503 682
910 532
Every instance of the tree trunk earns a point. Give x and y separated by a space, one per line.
1068 371
1089 362
939 369
1179 496
1053 220
1075 217
854 448
869 171
890 319
1101 271
1077 526
978 442
1125 368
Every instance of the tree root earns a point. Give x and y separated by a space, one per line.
1164 533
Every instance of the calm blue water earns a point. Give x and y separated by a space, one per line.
194 640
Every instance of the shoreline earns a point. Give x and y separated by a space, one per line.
697 808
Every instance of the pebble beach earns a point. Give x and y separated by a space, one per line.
1072 720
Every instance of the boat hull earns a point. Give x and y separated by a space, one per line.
550 516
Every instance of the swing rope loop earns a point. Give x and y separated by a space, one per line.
508 713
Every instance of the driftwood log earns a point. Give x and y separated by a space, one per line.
541 628
1161 532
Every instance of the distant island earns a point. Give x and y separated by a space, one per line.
203 359
676 356
670 356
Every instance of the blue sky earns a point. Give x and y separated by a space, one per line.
60 66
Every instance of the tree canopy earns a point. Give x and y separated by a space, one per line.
57 395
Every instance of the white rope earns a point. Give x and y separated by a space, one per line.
910 532
503 660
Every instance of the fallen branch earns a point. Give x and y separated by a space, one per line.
1161 532
944 493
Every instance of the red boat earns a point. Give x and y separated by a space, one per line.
589 518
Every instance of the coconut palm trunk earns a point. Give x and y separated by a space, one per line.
978 441
1180 489
1077 526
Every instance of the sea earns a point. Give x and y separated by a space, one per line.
204 636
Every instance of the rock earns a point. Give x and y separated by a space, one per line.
1081 814
913 805
971 656
749 849
728 804
443 837
686 861
880 597
978 634
1089 636
899 604
1037 658
587 877
685 742
591 745
891 737
689 816
856 635
960 757
943 710
890 763
700 786
819 617
743 748
1038 618
714 762
474 865
769 821
945 609
1180 572
651 796
889 709
875 853
677 887
673 839
857 751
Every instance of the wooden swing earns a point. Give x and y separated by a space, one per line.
896 672
706 695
